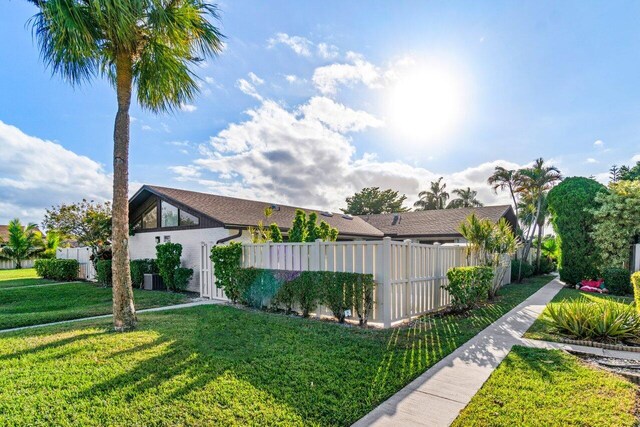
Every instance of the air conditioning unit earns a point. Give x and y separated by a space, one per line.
153 282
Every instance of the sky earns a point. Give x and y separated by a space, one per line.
311 101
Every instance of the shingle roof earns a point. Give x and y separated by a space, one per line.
443 222
232 211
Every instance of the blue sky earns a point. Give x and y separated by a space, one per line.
303 105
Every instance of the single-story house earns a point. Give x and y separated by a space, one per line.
4 233
436 225
160 214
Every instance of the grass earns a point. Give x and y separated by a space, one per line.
20 277
224 366
534 387
542 328
32 306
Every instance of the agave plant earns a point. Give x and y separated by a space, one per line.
603 320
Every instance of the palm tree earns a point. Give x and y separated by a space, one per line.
467 198
23 243
434 198
535 182
502 179
149 44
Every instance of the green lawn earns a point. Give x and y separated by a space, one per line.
534 387
224 366
21 277
32 306
542 329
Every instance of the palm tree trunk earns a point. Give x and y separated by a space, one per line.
539 246
124 312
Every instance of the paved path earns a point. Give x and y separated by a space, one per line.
436 397
105 316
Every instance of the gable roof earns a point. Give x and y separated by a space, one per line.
436 223
241 213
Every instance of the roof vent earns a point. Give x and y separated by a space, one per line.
396 219
275 207
347 216
326 213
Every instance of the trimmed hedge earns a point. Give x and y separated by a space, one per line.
635 280
226 262
571 204
174 277
468 286
546 266
262 288
527 270
58 269
617 280
103 272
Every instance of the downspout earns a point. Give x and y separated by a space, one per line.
233 236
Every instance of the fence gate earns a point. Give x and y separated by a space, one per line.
208 288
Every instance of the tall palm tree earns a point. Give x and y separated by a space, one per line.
536 181
434 198
151 45
23 242
502 179
467 198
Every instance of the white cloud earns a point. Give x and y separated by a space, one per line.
189 108
146 127
591 160
327 51
300 45
36 174
598 143
329 77
255 79
291 78
248 89
304 156
635 158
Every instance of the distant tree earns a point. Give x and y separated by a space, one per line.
276 234
298 230
372 200
51 243
313 229
434 198
467 198
22 244
630 174
307 229
614 173
505 179
87 222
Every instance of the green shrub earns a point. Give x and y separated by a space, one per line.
103 272
261 288
516 265
635 280
546 266
140 267
571 203
226 263
468 286
617 280
181 277
603 320
168 261
58 269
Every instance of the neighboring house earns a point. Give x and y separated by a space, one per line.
436 225
4 234
193 219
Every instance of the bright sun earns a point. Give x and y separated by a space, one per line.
426 102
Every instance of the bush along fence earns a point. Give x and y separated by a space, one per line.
57 269
408 279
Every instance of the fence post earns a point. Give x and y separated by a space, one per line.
387 309
438 276
314 256
408 297
266 259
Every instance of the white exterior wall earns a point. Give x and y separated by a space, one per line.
143 245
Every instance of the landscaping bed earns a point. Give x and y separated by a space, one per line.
20 277
46 304
543 329
220 365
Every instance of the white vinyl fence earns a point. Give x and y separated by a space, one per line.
10 265
82 255
408 276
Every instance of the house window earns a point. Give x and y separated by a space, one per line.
137 225
188 219
150 218
169 215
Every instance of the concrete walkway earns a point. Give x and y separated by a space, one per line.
436 397
106 316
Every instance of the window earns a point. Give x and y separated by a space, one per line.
169 215
137 225
150 218
188 219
